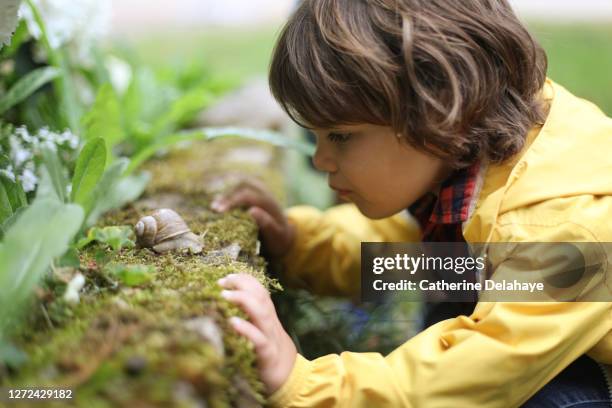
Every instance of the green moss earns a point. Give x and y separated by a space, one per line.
129 346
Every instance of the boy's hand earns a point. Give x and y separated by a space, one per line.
275 351
276 233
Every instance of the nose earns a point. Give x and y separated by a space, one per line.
323 160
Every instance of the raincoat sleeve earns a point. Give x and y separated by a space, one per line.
325 256
499 356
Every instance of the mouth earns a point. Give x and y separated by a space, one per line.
340 191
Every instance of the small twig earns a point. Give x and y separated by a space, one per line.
49 322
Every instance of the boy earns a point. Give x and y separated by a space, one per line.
442 107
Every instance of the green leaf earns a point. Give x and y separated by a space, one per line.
12 197
102 256
8 222
16 194
6 209
182 110
104 118
145 99
89 169
115 190
116 237
21 35
131 275
41 233
99 70
27 86
212 133
45 188
56 172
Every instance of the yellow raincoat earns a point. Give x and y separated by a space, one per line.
558 189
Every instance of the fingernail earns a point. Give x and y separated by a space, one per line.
216 203
226 294
222 282
234 320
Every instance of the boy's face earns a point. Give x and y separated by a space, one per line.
371 167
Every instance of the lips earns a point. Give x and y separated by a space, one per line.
340 190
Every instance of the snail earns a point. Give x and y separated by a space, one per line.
165 230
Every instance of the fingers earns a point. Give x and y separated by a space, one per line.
275 351
252 183
251 297
249 184
241 281
251 198
251 306
248 193
249 331
273 226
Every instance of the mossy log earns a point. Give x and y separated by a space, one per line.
164 343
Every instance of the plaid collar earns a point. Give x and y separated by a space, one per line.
452 203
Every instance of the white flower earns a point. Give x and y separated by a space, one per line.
23 134
46 139
24 147
71 295
67 137
75 23
44 134
120 73
73 141
28 179
20 156
49 145
8 20
51 140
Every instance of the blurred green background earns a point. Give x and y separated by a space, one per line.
580 58
580 55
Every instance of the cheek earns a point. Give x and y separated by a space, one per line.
367 176
416 178
399 181
377 187
386 179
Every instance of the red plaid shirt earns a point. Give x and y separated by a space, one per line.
441 217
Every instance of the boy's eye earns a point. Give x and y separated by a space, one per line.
338 137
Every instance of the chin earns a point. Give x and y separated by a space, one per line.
377 213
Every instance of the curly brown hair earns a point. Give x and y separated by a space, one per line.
459 79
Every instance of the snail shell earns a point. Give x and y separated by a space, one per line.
146 229
165 230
